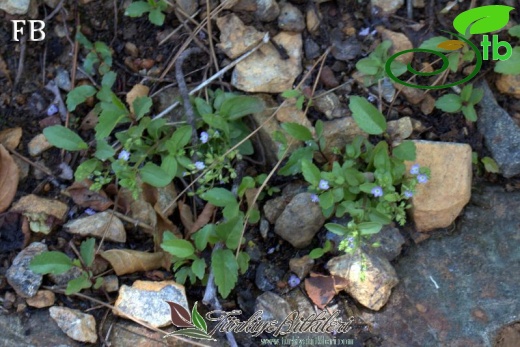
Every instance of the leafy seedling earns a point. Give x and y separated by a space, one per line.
155 10
465 102
373 66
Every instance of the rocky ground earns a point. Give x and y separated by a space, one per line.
447 278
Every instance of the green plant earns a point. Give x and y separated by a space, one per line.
373 66
187 254
369 183
154 8
486 163
297 95
511 66
54 262
465 102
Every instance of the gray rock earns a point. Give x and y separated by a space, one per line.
344 49
274 307
273 208
339 132
266 71
301 266
66 277
15 6
31 329
23 280
388 6
267 274
329 105
300 221
370 278
291 18
77 325
391 242
267 10
264 228
501 134
458 290
147 301
62 80
311 49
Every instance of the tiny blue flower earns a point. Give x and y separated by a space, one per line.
199 165
204 137
408 194
422 179
124 155
315 198
415 169
52 110
324 185
377 191
90 211
293 281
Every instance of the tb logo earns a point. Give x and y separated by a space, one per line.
35 27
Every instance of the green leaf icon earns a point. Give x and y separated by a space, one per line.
199 322
482 20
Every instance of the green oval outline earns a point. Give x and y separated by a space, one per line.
475 71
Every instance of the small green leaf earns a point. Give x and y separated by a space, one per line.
405 151
453 60
326 200
369 66
104 150
64 138
82 39
433 43
98 283
225 269
77 284
476 96
368 228
367 117
197 319
109 79
243 262
311 173
203 107
203 236
293 93
78 95
178 247
231 231
449 103
87 251
240 106
469 112
199 268
154 175
510 66
246 183
299 132
52 262
180 138
337 229
156 17
490 165
219 197
466 92
515 31
316 253
169 166
482 19
86 168
142 106
137 9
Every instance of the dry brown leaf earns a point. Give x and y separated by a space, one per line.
320 289
90 121
9 175
98 225
84 197
204 218
33 204
10 138
186 215
137 91
125 261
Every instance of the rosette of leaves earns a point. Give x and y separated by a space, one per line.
154 8
465 102
54 262
373 66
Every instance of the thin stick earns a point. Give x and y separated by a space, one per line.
21 61
215 76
